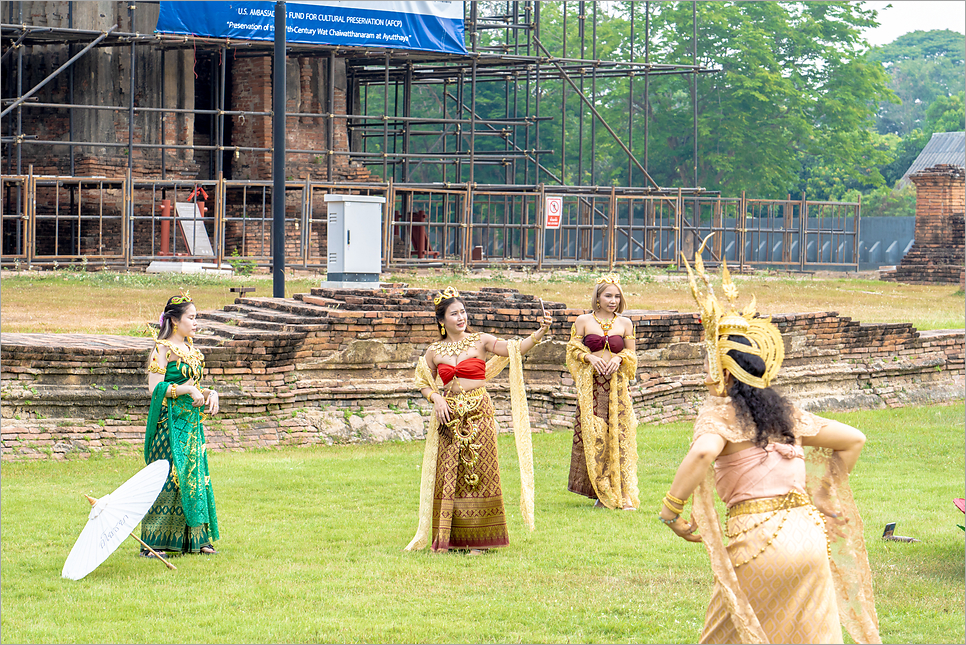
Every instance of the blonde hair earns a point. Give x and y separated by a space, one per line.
603 285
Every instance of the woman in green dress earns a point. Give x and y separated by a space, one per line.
182 519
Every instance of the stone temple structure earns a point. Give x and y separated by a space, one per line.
937 255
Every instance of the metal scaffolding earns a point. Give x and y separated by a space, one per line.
415 120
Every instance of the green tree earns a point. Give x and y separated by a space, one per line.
923 67
794 91
795 85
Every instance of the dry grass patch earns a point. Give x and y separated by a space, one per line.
115 303
123 303
865 300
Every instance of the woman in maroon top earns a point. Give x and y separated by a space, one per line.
467 502
602 359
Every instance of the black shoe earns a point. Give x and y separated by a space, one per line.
147 554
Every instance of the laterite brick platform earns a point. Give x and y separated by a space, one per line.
937 255
337 366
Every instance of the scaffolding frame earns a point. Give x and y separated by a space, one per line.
518 60
504 49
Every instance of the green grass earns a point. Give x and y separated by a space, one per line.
312 538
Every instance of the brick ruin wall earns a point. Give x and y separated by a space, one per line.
165 78
337 366
937 255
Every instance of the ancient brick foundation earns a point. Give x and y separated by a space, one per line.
337 366
938 253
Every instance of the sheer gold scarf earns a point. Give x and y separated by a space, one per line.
521 433
849 561
614 481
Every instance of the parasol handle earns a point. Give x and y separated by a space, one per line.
166 563
93 501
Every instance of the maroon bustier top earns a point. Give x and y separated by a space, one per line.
595 343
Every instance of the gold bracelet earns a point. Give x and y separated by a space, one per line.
173 391
671 508
675 499
429 397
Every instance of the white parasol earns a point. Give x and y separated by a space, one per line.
113 517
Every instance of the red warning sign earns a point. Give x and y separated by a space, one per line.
553 207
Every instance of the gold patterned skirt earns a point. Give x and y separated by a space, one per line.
579 480
788 582
468 508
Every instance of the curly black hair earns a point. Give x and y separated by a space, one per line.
769 411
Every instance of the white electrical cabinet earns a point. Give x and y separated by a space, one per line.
354 238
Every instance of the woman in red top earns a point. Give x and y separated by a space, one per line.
602 359
467 500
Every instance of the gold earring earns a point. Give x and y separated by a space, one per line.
442 331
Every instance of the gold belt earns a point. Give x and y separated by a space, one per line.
792 499
464 402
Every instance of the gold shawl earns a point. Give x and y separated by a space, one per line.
521 433
849 561
613 480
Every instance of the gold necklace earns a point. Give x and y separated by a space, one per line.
604 326
457 348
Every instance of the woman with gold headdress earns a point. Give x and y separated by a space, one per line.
183 518
461 500
795 566
602 359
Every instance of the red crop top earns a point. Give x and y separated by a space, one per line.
471 368
595 342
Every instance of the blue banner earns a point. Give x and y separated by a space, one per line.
421 26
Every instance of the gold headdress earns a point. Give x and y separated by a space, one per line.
183 298
445 294
766 340
604 281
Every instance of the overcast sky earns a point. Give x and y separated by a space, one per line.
915 15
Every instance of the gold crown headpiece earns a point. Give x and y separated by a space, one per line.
611 278
766 340
446 294
183 298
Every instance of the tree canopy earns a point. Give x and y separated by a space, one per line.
794 83
923 67
797 103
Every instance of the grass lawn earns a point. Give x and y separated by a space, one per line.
122 303
312 538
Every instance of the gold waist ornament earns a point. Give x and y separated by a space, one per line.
773 506
792 499
465 425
